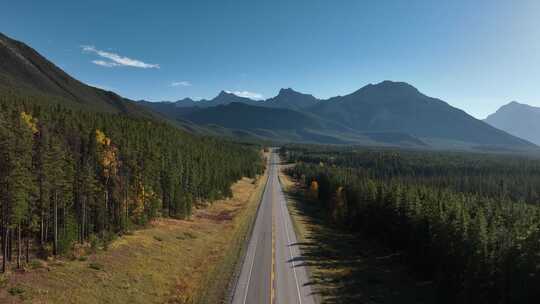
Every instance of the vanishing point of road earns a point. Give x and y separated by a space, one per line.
273 271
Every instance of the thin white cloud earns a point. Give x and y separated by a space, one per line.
107 64
181 84
247 94
115 60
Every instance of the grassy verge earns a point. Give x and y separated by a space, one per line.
346 267
216 283
173 261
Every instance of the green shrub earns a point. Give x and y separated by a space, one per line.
186 235
16 290
36 264
94 242
96 266
69 238
3 280
108 238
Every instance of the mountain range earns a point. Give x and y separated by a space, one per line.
287 98
387 113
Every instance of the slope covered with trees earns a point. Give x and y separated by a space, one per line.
467 222
24 70
75 176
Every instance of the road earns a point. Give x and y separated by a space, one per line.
272 270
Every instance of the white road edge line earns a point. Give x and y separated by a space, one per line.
290 251
250 270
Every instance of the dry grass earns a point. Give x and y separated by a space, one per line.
173 261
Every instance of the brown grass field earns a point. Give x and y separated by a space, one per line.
172 261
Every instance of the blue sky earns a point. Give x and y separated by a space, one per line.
476 55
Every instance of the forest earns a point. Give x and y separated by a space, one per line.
70 176
468 222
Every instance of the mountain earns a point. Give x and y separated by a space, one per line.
25 71
518 119
281 124
226 98
389 112
238 115
286 98
222 98
268 123
398 106
291 99
186 102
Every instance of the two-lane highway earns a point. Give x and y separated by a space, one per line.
272 271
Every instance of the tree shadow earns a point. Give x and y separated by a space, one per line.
346 267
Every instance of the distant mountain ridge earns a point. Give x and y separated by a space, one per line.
384 108
518 119
398 106
286 98
222 98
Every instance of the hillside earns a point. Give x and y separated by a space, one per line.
518 119
287 125
110 163
24 71
276 124
238 115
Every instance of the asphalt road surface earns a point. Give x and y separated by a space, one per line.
272 270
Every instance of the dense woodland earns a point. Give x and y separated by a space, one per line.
69 176
467 222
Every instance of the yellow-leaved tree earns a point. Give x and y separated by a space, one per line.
108 159
30 122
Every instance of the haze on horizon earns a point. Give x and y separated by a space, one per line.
470 54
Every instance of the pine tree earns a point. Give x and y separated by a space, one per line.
95 173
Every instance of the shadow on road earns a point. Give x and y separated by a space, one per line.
347 268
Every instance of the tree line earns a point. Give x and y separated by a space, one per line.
491 175
69 176
458 219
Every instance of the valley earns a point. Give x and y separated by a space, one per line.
279 152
